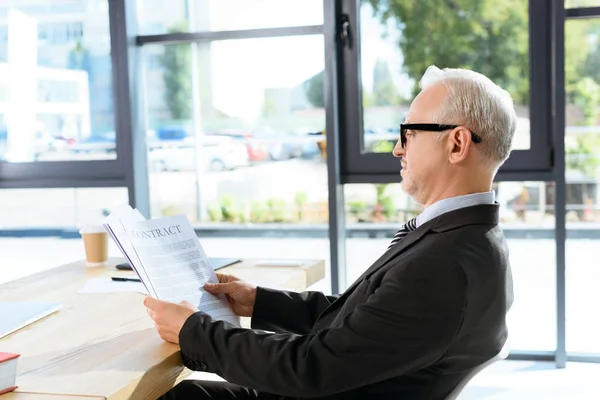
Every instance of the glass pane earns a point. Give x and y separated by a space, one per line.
398 43
225 15
238 144
40 226
53 55
581 3
582 158
375 212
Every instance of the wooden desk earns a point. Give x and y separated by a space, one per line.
40 396
104 345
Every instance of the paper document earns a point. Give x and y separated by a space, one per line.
114 226
169 259
107 285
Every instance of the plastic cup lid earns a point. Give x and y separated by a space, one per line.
92 228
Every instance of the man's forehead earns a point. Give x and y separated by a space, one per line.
426 103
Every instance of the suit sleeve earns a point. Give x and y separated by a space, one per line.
408 323
282 311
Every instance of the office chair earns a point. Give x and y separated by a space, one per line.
461 385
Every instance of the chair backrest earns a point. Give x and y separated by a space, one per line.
461 385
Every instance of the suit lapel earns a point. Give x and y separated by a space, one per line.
482 214
398 248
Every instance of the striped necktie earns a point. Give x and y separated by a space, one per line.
408 227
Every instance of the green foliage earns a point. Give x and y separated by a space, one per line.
389 206
357 207
383 146
314 90
215 214
380 189
79 58
384 90
269 108
170 210
385 201
584 156
300 199
230 208
487 36
277 209
258 212
576 55
591 66
176 62
582 68
368 99
587 97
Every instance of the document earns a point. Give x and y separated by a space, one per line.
114 226
168 257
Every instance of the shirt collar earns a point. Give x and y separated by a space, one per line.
454 203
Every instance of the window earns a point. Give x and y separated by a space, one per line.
55 117
395 53
226 15
375 212
236 132
581 3
397 42
47 222
582 159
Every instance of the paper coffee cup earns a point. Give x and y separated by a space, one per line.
95 241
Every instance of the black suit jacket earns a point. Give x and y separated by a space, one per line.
426 313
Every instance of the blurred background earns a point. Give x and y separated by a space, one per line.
273 120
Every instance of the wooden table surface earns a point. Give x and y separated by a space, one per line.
39 396
105 346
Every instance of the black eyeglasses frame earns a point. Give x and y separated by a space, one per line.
431 128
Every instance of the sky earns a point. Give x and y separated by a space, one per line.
247 67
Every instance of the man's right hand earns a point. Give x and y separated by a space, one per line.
241 295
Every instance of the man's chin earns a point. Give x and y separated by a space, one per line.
408 187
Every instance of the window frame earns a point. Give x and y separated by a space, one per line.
92 173
362 167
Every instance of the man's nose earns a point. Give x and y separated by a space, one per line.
398 149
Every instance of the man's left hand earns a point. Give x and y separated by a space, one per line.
169 317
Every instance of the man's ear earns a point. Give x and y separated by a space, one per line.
459 144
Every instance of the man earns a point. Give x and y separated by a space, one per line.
423 316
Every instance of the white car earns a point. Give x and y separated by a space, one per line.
217 154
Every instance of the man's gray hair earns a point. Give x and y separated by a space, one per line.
474 101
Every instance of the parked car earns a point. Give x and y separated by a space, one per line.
3 144
172 133
43 143
256 147
105 142
281 145
218 153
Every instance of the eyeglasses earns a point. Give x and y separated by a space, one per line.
431 128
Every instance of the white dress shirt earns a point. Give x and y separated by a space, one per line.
454 203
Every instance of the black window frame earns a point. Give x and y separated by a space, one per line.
363 167
91 173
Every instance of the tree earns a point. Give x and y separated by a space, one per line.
583 154
176 63
79 58
313 88
487 36
587 98
576 57
591 67
384 90
269 108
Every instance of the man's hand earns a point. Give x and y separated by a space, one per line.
169 317
241 295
